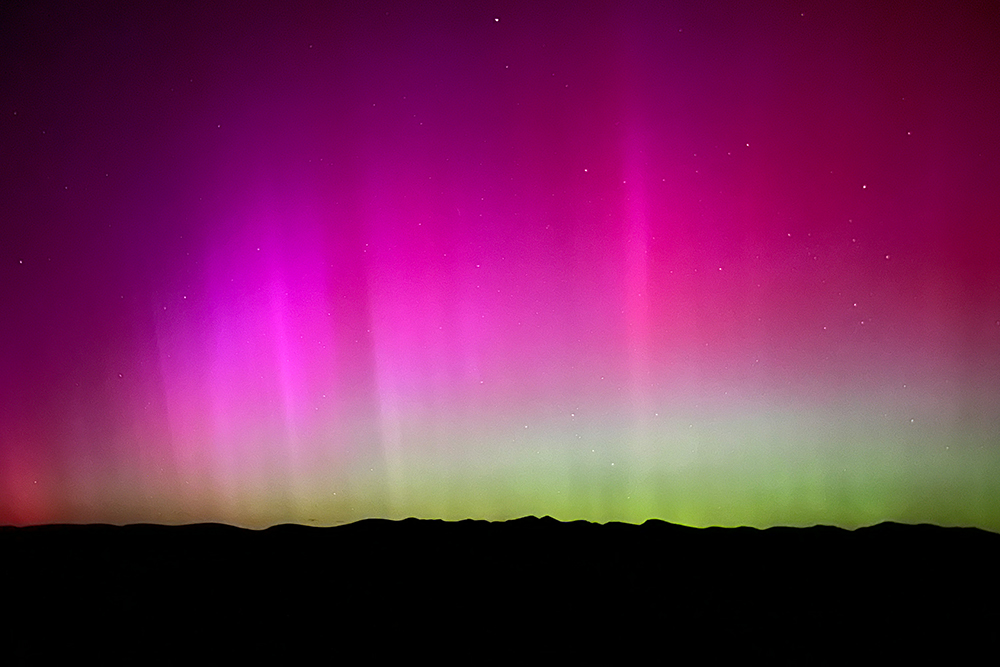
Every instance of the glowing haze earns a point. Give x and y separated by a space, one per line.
713 263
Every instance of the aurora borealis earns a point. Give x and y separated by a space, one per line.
715 263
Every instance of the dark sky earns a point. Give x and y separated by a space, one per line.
716 263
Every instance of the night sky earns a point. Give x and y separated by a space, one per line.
714 263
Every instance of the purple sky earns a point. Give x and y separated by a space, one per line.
252 253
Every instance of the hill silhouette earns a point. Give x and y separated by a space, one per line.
529 575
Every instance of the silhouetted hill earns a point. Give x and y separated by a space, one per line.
528 574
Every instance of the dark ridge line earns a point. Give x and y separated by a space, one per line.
545 520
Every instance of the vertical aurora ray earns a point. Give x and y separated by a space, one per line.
636 307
